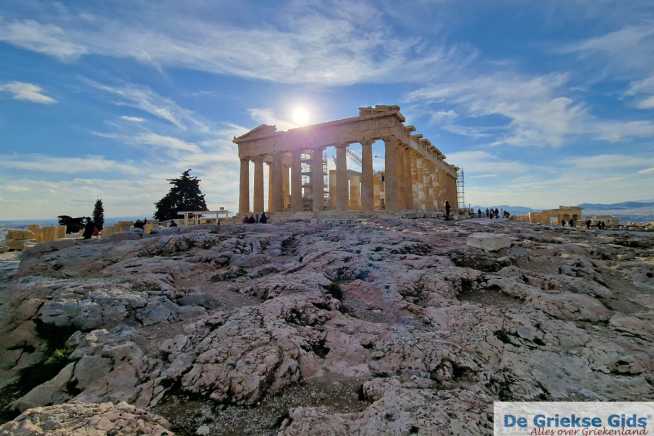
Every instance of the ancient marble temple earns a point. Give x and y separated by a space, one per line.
415 175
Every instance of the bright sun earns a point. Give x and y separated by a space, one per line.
301 116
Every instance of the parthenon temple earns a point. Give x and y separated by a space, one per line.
415 174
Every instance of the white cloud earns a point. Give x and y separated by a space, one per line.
480 162
149 101
155 140
647 103
132 119
443 116
616 131
536 111
610 161
167 142
625 53
66 165
47 39
27 92
647 171
628 48
327 43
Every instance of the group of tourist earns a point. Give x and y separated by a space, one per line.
493 213
601 225
572 223
256 218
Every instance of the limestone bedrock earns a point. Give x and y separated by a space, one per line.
365 325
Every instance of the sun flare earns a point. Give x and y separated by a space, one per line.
301 116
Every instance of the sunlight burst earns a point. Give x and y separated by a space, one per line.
301 116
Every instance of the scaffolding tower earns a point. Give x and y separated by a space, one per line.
460 189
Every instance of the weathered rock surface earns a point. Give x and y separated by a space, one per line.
367 326
87 419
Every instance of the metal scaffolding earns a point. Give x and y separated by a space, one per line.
460 189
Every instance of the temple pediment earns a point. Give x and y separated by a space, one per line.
260 131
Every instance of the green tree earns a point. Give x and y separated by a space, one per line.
98 214
184 195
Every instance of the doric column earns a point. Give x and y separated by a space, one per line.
436 181
400 187
317 180
341 177
258 184
296 182
398 170
244 188
408 179
270 183
276 183
415 180
389 175
420 176
428 181
286 196
367 189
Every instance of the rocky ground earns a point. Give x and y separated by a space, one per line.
364 326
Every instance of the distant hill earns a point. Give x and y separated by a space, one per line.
638 211
615 206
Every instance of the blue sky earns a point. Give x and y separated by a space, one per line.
541 103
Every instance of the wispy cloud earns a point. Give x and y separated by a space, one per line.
610 161
47 39
536 111
148 101
156 140
482 163
624 53
168 142
27 92
326 43
628 48
66 165
132 119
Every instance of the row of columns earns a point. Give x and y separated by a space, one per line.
411 181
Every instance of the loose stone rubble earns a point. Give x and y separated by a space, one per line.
378 325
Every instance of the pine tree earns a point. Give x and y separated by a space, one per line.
98 214
184 195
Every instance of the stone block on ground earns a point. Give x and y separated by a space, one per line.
489 241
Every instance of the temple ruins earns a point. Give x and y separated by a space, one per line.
552 216
415 175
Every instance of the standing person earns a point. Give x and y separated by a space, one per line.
487 213
263 219
588 223
478 213
447 210
89 229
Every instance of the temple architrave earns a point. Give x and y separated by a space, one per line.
415 175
